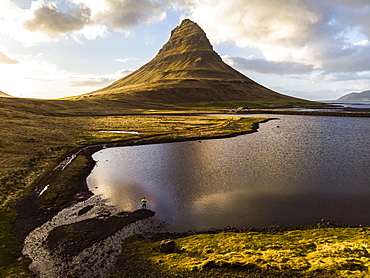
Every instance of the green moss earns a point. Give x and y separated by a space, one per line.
12 264
338 252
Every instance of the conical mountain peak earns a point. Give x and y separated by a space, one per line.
186 37
188 70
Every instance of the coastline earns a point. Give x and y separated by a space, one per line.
31 216
329 110
84 194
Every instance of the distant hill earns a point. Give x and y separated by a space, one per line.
363 96
2 94
188 70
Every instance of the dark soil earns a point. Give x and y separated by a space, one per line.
69 240
30 216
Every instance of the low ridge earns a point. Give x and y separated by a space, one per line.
363 96
188 70
2 94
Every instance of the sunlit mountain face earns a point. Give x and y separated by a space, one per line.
188 70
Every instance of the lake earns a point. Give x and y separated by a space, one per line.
296 170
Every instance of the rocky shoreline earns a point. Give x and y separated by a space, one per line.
88 251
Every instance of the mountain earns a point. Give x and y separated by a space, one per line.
2 94
363 96
188 70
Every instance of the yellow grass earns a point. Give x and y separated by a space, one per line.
334 252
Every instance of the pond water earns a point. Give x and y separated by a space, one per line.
296 170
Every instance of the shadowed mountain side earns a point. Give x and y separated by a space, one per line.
188 70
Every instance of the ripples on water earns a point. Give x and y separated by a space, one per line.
296 170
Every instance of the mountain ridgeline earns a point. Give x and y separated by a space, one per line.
188 70
363 96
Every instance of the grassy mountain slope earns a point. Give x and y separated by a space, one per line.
188 70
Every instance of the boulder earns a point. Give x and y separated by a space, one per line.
167 246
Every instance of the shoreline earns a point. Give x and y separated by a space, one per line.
28 210
314 111
39 217
32 219
31 216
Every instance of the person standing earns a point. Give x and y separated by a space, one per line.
143 203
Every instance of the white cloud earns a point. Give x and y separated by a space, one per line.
149 40
328 35
90 80
362 43
47 21
12 18
120 14
50 20
275 27
125 60
267 67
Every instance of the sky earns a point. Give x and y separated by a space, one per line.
311 49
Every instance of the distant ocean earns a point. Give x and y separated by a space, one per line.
352 104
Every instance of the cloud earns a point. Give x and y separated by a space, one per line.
12 18
329 77
47 20
91 80
122 73
348 58
258 23
267 67
51 21
125 60
4 59
120 14
328 35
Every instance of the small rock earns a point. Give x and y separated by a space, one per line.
82 196
167 246
104 214
85 210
